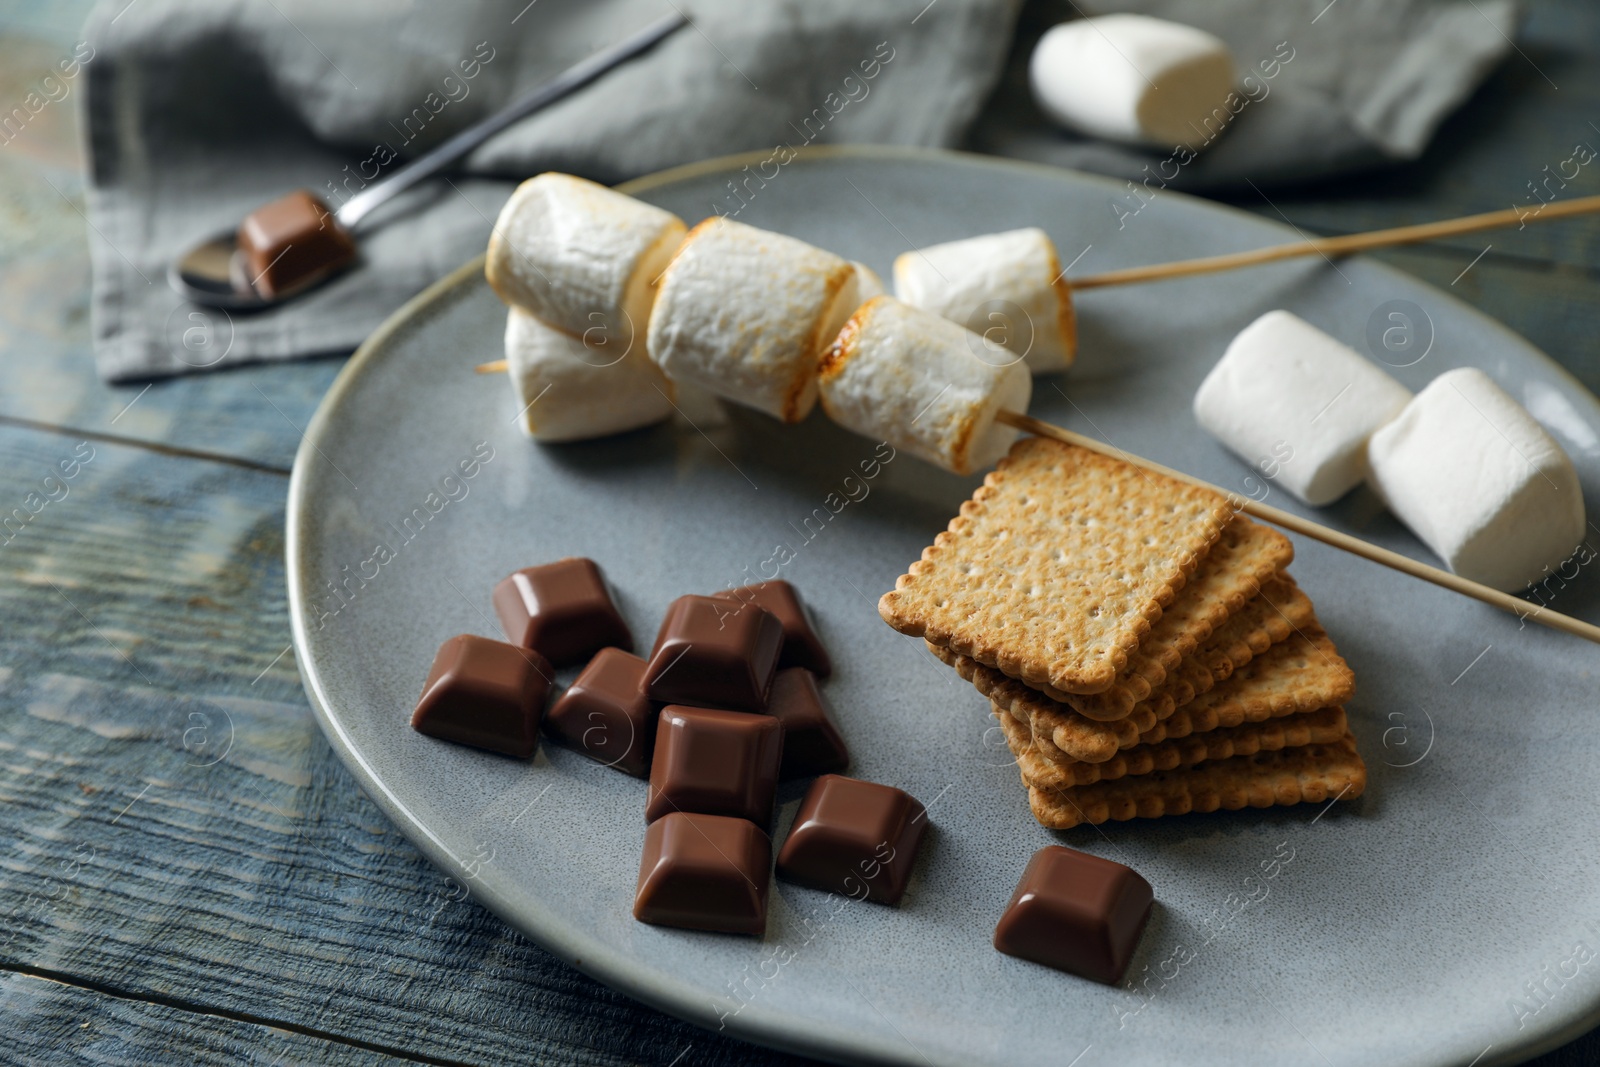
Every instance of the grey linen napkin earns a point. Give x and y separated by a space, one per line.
199 111
1327 86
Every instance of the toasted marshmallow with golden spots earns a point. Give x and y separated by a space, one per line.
582 258
1008 288
746 313
922 383
868 284
567 390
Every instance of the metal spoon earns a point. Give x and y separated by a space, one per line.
210 273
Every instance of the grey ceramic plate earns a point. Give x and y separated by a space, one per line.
1452 911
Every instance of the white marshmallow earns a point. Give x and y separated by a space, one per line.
868 284
1479 481
1297 405
581 257
745 314
1007 287
909 377
567 391
1135 79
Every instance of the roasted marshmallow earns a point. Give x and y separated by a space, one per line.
1479 481
1008 288
868 284
745 314
582 258
1298 405
567 390
1133 78
906 376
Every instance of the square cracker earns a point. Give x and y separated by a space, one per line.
1322 726
1058 565
1295 676
1091 740
1244 557
1307 774
1062 734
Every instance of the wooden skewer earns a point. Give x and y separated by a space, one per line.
1326 246
1338 246
1493 597
1289 521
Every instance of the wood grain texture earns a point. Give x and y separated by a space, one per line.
70 1026
181 830
180 845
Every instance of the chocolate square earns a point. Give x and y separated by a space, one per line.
704 872
714 763
853 837
713 653
291 242
1077 913
484 693
811 742
606 715
801 645
562 609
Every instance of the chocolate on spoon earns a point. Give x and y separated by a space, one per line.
295 243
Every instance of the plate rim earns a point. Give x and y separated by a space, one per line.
590 956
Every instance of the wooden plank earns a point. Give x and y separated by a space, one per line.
57 21
68 1025
180 829
142 606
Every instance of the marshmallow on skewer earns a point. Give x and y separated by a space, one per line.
581 257
745 314
1479 481
1297 404
1133 78
918 381
1008 288
868 284
569 391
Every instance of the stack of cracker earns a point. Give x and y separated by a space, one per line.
1140 643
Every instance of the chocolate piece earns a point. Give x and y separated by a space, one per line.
853 837
291 242
606 715
714 763
1077 913
715 654
562 609
801 645
811 742
484 693
704 872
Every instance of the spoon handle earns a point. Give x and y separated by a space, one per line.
352 211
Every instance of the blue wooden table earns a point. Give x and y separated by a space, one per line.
187 873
